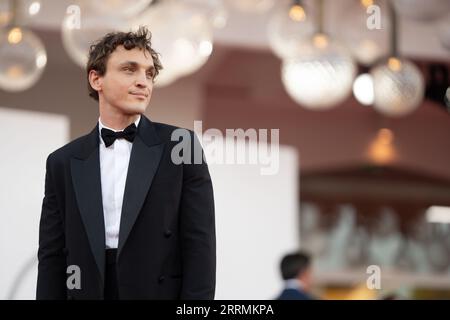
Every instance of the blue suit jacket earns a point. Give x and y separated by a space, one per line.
294 294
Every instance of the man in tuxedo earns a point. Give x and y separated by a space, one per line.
296 272
120 218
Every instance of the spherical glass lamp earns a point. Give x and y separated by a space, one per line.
443 31
216 10
125 8
363 89
447 98
27 10
22 59
398 87
252 6
181 35
360 33
79 35
288 26
321 76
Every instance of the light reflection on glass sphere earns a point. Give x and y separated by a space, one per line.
321 76
214 9
34 8
443 30
219 17
363 89
27 11
125 8
22 59
181 35
287 28
77 39
166 77
398 87
447 98
252 6
366 44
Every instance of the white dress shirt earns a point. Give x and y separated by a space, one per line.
114 162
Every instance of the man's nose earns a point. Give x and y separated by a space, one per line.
141 80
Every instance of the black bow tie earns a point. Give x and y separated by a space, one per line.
110 136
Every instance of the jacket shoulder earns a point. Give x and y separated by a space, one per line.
166 131
69 149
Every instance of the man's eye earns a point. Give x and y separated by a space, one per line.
127 69
150 75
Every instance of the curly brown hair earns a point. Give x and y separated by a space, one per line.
102 49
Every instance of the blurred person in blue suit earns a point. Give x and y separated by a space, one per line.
296 272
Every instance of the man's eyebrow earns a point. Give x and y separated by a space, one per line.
135 64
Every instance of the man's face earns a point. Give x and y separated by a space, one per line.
128 82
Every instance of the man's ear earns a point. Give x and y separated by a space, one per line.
95 80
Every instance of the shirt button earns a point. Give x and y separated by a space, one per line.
167 233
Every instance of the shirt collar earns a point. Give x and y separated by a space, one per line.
294 284
101 125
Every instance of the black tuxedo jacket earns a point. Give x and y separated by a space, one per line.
167 230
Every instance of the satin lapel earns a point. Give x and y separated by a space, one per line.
144 161
85 170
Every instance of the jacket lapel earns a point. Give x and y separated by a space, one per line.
144 161
85 170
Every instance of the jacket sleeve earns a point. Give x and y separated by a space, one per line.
197 231
51 281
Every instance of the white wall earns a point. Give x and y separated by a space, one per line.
26 140
256 224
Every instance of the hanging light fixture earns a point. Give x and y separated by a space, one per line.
443 31
366 40
398 84
288 26
322 73
123 8
34 8
22 55
382 149
447 98
215 10
80 31
26 9
363 89
252 6
181 34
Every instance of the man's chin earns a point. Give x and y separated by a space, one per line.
134 109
